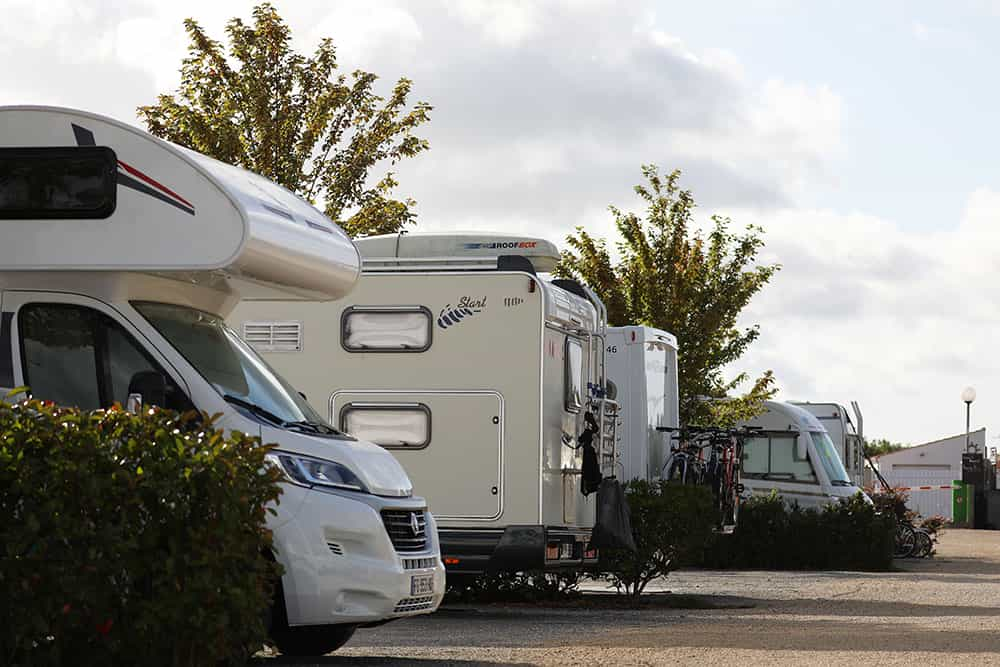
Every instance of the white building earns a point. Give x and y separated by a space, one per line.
933 464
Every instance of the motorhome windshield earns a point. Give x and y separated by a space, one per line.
231 366
774 457
832 464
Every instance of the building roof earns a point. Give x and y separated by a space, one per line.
939 441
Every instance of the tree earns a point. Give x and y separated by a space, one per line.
671 276
294 120
875 448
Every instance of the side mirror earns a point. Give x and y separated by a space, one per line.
146 387
801 448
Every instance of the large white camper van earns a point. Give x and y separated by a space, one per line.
642 375
476 372
120 254
792 454
845 433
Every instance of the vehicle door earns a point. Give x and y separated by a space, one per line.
77 351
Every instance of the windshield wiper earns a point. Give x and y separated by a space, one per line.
315 427
254 408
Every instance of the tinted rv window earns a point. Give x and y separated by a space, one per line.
574 375
40 183
80 357
381 329
391 425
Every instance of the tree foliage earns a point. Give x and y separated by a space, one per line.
880 446
672 276
294 119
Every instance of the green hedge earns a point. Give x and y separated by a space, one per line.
849 535
670 523
130 539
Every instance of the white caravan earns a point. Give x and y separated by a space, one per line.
642 378
846 435
476 372
119 256
793 455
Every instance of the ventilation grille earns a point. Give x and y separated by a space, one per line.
335 548
274 336
414 604
419 563
406 528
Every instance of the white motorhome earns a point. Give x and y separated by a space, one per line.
120 254
642 376
792 454
846 434
476 372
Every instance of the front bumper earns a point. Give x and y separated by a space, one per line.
340 565
470 551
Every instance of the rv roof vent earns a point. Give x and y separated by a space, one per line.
273 336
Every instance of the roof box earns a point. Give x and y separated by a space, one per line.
167 210
455 250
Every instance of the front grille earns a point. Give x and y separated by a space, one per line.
414 604
405 533
419 563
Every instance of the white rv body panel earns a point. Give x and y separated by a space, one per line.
107 276
772 461
844 434
490 376
261 236
642 364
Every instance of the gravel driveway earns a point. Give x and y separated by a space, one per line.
942 610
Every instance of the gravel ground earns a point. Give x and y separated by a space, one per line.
945 609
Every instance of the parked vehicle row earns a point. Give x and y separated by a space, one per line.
137 272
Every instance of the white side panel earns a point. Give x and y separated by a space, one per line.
473 487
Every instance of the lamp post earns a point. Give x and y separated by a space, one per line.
968 396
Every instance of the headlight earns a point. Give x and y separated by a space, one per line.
316 472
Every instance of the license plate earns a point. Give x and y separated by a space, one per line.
422 585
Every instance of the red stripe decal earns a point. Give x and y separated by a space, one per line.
141 176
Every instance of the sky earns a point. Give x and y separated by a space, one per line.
859 135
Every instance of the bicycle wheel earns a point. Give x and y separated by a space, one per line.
923 543
906 541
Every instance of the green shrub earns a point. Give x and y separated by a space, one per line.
130 539
848 535
670 523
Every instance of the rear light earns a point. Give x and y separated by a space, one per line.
566 551
552 551
590 553
451 561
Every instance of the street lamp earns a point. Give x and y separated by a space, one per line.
968 396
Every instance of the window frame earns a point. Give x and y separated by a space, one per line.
567 375
101 154
386 310
787 435
386 406
102 364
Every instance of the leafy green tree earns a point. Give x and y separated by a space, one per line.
295 120
670 275
881 446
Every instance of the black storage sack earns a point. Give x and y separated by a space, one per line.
613 529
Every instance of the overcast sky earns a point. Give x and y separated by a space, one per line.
859 135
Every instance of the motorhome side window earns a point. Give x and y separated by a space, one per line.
773 458
77 356
574 375
390 425
54 182
384 329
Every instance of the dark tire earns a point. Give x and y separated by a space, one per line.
312 640
906 541
924 545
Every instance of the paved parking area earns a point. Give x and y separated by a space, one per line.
943 610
